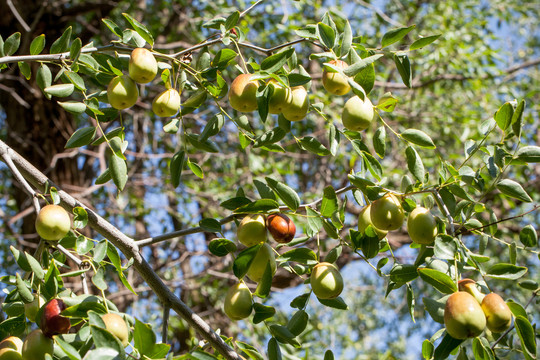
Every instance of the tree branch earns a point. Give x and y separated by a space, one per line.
130 249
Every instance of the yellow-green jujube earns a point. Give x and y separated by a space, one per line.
326 281
299 106
11 342
364 220
243 93
386 213
167 103
498 314
264 256
143 66
116 325
122 92
36 345
422 226
252 230
357 114
334 82
281 97
463 316
238 302
31 309
10 354
53 222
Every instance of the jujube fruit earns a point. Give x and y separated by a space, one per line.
364 220
357 114
243 93
334 82
386 213
252 230
166 103
326 281
143 66
264 256
299 106
122 92
53 222
36 345
498 314
238 302
116 325
281 227
463 316
422 226
281 97
52 322
11 348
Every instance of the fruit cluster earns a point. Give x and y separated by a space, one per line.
293 102
40 342
468 312
326 280
252 231
123 92
386 214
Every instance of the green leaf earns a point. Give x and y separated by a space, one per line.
419 138
327 36
73 107
205 145
285 193
329 202
243 261
80 218
438 280
446 347
195 168
387 102
221 246
62 43
262 312
328 355
99 279
264 190
118 169
379 141
81 137
25 69
403 273
420 43
517 119
176 166
76 80
529 154
22 289
223 58
75 50
12 43
283 335
300 255
44 78
20 258
273 350
60 90
298 79
528 236
300 301
414 163
526 335
346 42
427 349
366 78
270 137
298 322
67 348
276 61
373 165
258 206
212 127
140 29
313 145
395 35
210 225
35 266
503 116
336 303
514 190
37 45
115 29
506 271
404 68
232 20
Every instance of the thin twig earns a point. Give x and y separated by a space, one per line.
459 232
18 16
